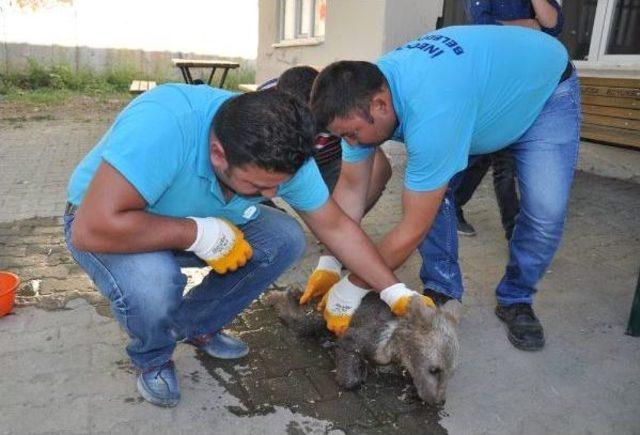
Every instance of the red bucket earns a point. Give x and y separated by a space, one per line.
8 285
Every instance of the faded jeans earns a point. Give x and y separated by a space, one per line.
504 185
146 289
545 158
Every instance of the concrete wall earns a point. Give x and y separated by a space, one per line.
354 30
154 65
214 27
141 34
407 19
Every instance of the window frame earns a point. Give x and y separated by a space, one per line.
299 38
601 32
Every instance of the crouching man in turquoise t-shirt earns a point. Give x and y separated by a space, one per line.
177 181
449 95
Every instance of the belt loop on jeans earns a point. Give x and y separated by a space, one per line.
567 72
70 208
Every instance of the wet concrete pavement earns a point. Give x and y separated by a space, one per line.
63 366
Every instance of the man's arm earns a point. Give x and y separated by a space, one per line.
351 189
419 212
350 244
546 13
112 218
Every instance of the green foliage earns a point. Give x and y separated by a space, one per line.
244 74
64 77
47 84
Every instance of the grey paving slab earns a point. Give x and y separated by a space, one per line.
63 366
35 164
54 389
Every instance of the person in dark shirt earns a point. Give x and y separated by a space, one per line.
544 15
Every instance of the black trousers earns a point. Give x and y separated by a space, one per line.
504 184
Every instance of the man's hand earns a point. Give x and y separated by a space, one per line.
339 304
220 244
326 274
398 296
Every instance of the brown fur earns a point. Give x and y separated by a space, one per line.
424 341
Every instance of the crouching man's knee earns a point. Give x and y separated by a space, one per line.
280 245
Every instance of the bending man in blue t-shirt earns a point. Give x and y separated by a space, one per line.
177 181
453 93
545 15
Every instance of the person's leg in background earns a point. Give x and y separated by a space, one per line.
504 184
469 181
545 158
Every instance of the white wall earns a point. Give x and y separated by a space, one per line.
355 29
407 19
226 28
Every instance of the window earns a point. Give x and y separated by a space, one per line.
302 20
578 27
624 29
602 31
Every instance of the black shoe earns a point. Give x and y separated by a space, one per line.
438 298
465 228
525 330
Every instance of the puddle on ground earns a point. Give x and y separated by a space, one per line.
284 373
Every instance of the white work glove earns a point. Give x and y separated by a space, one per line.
220 244
339 304
326 274
398 296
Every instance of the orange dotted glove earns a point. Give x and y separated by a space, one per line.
339 304
398 296
326 274
220 244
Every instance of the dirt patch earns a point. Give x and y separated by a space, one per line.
72 108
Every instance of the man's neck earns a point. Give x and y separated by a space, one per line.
227 192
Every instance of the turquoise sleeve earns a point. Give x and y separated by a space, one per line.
142 147
306 191
355 154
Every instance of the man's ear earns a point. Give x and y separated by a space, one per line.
381 102
217 155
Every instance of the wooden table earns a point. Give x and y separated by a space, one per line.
185 66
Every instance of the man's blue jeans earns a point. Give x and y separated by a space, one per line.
146 289
545 158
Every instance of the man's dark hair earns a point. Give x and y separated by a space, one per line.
342 87
269 129
298 82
